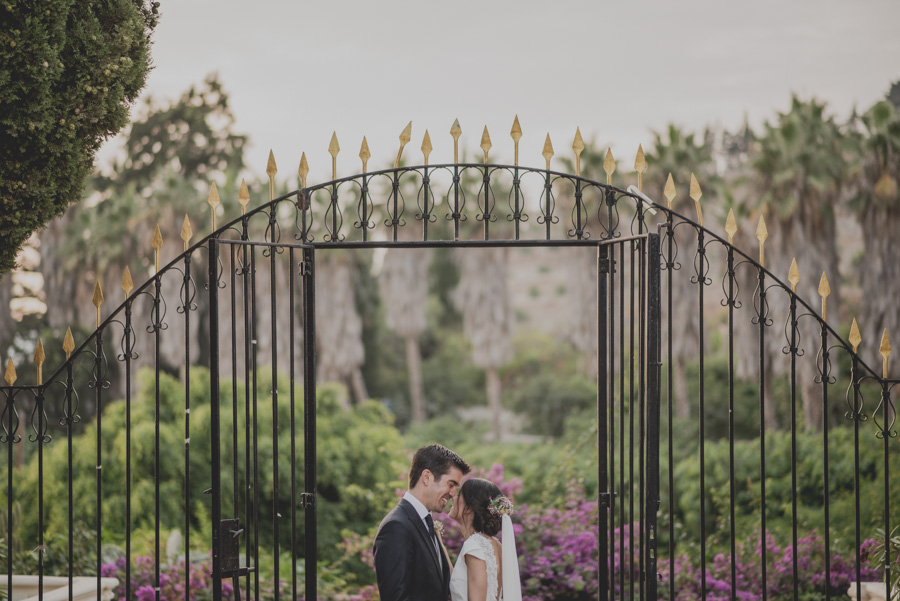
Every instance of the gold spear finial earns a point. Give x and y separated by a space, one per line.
333 149
186 231
547 153
455 131
695 194
243 197
885 351
303 170
426 146
10 375
485 143
68 343
855 337
271 170
213 201
824 291
98 299
731 226
516 134
364 154
405 137
794 275
156 243
609 166
39 357
669 191
640 165
127 283
761 234
578 148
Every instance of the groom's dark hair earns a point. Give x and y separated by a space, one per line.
437 459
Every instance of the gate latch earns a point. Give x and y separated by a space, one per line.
307 500
229 539
605 498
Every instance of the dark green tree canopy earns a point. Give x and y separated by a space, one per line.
68 73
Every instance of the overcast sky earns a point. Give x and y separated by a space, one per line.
298 70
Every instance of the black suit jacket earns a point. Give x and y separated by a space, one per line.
407 566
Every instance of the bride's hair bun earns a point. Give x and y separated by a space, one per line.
478 494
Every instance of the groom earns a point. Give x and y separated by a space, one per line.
409 563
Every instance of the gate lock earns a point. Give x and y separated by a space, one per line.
229 540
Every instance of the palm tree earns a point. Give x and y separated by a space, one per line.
482 297
800 176
877 205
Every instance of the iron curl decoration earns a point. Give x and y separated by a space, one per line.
303 217
701 261
70 408
127 330
823 365
486 208
885 405
365 208
579 215
855 409
40 422
792 328
395 205
157 310
457 212
669 263
9 420
425 200
187 293
516 214
611 227
731 293
548 204
98 373
273 231
761 306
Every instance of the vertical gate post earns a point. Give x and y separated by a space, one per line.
603 582
651 498
214 416
307 270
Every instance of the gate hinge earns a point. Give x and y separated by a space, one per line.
307 500
305 268
606 497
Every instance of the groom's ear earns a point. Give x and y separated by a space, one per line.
427 477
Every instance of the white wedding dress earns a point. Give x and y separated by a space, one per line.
477 545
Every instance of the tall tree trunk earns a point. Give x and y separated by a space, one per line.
493 393
414 365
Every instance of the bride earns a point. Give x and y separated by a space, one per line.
485 570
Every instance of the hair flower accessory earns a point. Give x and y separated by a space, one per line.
501 505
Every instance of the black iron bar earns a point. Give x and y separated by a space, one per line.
98 387
156 325
215 417
41 549
309 421
731 484
642 405
701 277
292 330
517 216
10 440
335 234
548 216
886 438
826 374
622 563
603 272
762 316
670 267
578 204
70 482
187 425
437 243
487 203
631 417
426 214
128 307
653 410
854 382
235 473
609 337
249 520
364 192
273 308
793 383
456 203
395 220
254 424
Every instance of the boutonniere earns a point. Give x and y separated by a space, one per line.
439 528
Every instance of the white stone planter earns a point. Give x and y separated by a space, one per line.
56 588
870 591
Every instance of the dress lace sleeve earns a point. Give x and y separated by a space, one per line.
480 547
